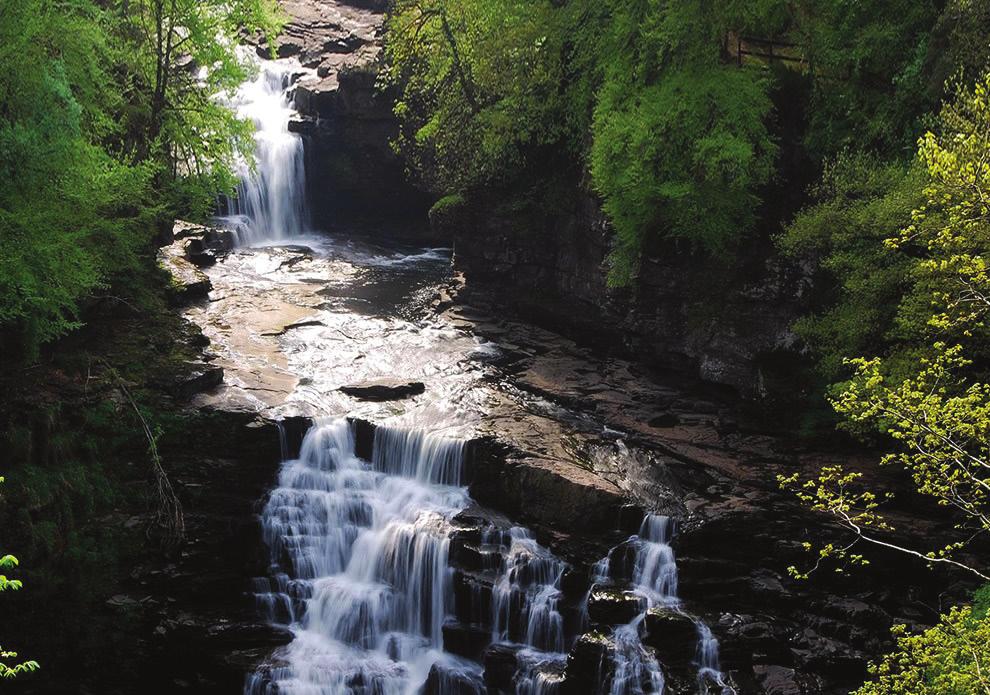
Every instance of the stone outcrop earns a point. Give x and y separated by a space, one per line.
555 494
551 266
672 635
384 389
345 119
188 283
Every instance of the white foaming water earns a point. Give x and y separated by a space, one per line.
359 563
654 578
270 204
525 609
526 595
360 574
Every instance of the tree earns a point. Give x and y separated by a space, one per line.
859 282
937 415
676 139
109 124
485 87
9 669
181 54
69 210
680 138
952 658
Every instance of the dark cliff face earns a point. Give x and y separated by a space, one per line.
725 320
352 171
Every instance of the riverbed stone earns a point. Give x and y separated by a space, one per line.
187 282
444 680
384 389
613 607
201 376
672 634
557 493
777 680
500 667
589 665
466 639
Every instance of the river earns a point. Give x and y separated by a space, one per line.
390 577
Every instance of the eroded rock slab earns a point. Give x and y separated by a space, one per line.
188 282
384 389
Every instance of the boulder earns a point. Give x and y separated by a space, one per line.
500 667
612 607
777 680
589 665
559 494
188 283
465 639
200 377
199 253
447 680
673 635
472 597
384 389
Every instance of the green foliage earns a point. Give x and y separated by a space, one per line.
489 88
107 128
8 562
663 152
445 208
483 84
857 205
951 658
680 137
68 210
10 669
936 411
680 143
180 56
871 62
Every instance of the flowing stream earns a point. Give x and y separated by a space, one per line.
379 565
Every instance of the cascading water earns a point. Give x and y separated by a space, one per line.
359 572
525 598
270 204
360 575
526 610
654 579
359 562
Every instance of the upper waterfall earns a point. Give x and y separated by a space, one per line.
270 202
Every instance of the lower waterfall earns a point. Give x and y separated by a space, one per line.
359 563
653 579
363 573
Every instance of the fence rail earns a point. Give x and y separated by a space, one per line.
739 47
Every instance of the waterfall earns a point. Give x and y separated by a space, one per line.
654 579
633 665
525 597
525 609
655 570
270 202
359 566
360 573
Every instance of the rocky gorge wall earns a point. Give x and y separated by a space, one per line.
724 320
736 533
344 117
